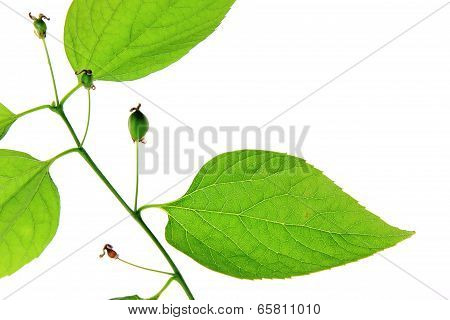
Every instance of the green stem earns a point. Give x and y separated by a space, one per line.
59 110
177 272
137 177
71 92
88 118
51 70
156 296
46 106
135 214
143 268
102 177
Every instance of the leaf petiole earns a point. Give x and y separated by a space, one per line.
62 154
158 295
46 106
149 206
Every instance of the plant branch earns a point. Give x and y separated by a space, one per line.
88 118
59 110
102 177
135 214
177 272
51 70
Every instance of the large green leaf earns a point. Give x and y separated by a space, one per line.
259 214
7 118
123 40
29 209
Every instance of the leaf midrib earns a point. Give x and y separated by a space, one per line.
196 211
277 222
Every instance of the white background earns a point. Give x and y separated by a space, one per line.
381 131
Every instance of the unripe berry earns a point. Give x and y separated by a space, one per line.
86 79
39 25
138 124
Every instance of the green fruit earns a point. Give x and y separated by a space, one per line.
41 28
39 25
86 78
138 124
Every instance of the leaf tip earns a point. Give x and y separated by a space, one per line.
406 234
410 233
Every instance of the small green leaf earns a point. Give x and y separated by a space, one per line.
29 209
122 40
135 297
7 118
259 214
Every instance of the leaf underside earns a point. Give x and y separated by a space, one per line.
259 214
7 118
123 40
29 209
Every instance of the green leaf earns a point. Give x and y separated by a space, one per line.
29 209
7 118
259 214
123 40
135 297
